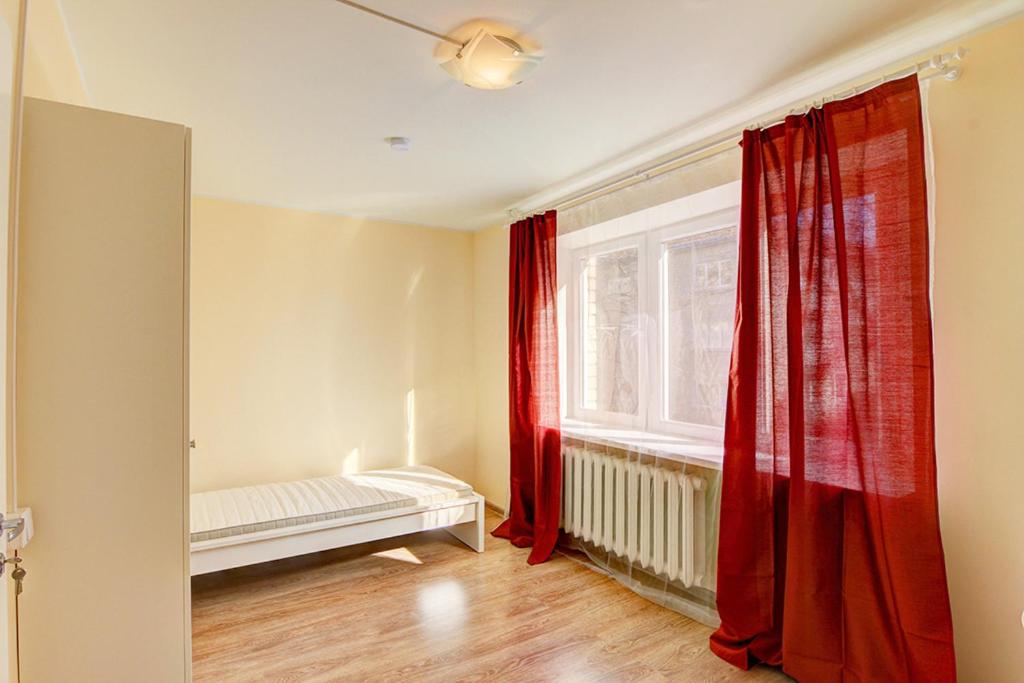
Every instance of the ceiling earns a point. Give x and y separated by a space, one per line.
290 101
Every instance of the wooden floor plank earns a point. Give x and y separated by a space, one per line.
426 608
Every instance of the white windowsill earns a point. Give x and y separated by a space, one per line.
698 452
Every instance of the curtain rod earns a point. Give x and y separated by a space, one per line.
946 65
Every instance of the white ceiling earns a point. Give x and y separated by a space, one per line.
290 100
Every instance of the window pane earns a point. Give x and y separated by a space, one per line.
700 301
610 306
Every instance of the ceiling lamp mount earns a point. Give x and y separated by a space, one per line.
480 54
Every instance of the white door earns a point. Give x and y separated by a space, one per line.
101 396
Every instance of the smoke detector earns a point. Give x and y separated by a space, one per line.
399 144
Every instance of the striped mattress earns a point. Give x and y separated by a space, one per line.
251 509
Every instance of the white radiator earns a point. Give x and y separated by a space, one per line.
652 516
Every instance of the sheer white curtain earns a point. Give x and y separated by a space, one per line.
636 569
703 173
646 304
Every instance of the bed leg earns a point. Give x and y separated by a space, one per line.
472 533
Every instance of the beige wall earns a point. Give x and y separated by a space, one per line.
51 66
979 349
490 305
323 344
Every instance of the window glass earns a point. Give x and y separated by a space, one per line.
610 339
699 299
648 315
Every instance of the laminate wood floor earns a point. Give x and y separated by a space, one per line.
426 608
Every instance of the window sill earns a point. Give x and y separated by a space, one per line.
699 452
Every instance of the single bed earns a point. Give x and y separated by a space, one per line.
252 524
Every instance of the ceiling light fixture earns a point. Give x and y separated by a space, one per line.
481 54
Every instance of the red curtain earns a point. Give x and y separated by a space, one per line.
534 429
830 561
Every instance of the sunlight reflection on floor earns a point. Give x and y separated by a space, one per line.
399 554
443 608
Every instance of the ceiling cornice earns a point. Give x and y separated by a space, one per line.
874 58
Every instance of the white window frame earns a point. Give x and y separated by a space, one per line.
575 342
657 242
648 231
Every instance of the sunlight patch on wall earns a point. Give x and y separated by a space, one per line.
350 465
414 283
410 427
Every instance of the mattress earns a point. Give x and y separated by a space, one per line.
251 509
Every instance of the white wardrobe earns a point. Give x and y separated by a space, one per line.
101 395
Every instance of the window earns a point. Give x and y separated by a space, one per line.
698 295
649 321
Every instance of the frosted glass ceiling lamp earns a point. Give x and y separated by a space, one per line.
488 61
481 54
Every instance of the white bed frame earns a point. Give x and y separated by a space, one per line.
462 518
